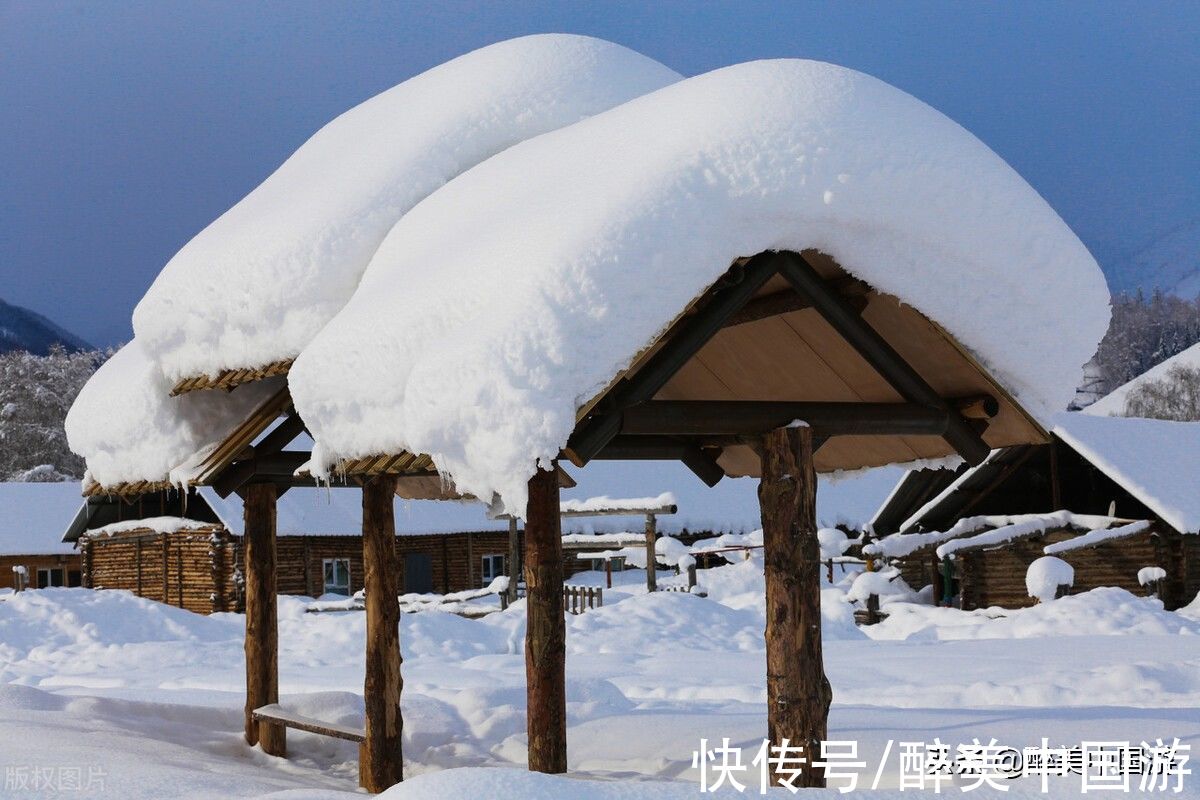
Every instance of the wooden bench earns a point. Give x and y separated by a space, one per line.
274 714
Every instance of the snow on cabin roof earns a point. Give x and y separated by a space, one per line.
542 273
255 285
151 524
1156 461
1113 403
129 429
999 529
33 515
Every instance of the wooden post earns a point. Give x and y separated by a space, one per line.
262 628
381 764
514 560
1055 486
545 629
651 556
798 693
166 560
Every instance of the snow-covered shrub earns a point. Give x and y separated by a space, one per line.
1175 396
886 584
1046 575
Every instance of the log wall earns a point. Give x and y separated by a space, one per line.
67 562
996 576
206 566
195 570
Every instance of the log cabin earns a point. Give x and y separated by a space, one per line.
32 554
1113 494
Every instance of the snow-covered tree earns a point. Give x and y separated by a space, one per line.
35 393
1174 396
1143 332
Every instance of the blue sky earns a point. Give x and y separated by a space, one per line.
126 126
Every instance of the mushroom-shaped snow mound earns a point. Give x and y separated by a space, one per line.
129 430
506 300
254 286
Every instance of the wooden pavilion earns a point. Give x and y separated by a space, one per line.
784 367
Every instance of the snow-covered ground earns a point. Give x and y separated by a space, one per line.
144 700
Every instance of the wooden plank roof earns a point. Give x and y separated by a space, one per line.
230 378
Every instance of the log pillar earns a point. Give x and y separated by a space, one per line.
380 758
651 556
514 560
798 693
262 624
545 630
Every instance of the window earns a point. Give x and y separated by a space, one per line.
49 576
74 578
493 567
337 576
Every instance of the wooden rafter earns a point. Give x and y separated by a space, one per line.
594 433
879 354
229 378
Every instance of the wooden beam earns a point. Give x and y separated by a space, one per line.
661 448
691 334
545 628
785 302
879 354
262 624
279 467
798 693
381 762
748 417
281 435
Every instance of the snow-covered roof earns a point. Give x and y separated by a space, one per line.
254 286
33 515
1113 403
152 524
1156 461
129 429
542 273
988 530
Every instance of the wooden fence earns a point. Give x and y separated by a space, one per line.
577 599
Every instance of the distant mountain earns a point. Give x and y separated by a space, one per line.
1170 262
22 329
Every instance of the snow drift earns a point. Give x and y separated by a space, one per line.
255 285
533 279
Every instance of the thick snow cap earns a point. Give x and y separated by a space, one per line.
531 281
255 286
128 428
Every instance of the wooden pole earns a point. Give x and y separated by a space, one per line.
1055 486
381 763
651 556
798 693
545 630
262 628
514 560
